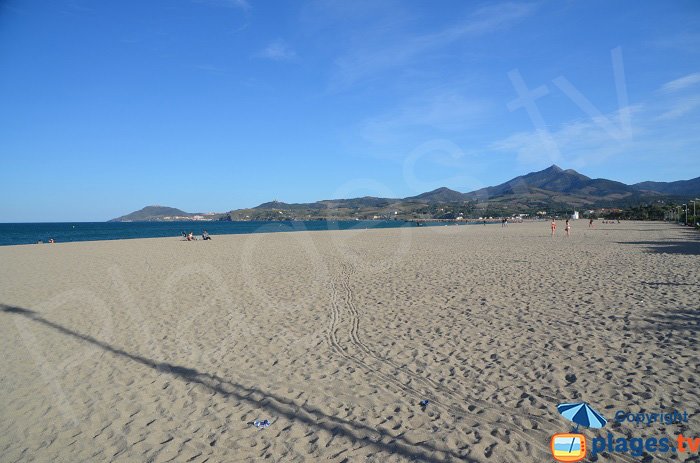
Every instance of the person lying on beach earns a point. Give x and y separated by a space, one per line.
190 237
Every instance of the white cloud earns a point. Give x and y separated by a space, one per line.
580 143
583 143
446 111
535 147
322 13
682 83
278 51
680 108
372 59
494 17
576 143
240 4
687 42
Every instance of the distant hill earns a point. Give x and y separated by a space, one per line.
555 180
679 188
441 195
275 205
365 201
550 189
152 213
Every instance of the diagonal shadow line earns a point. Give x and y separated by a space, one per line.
666 283
688 247
277 405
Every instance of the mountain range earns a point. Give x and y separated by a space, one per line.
551 189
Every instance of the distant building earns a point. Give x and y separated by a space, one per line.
574 216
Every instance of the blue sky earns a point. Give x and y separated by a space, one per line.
212 105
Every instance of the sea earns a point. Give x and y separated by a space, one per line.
32 233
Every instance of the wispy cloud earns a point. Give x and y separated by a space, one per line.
444 111
278 51
576 143
582 143
688 42
369 60
240 4
322 13
492 18
681 83
588 141
680 108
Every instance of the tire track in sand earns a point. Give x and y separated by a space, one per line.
335 322
342 295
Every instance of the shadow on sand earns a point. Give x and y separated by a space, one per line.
275 405
676 320
688 245
665 283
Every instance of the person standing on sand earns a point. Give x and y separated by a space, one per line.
567 227
590 223
554 226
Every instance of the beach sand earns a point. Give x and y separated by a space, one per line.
164 350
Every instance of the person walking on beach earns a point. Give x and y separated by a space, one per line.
590 223
567 227
554 226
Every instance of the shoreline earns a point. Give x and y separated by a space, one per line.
379 224
382 225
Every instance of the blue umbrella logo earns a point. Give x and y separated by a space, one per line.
583 415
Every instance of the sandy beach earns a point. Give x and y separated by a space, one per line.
165 350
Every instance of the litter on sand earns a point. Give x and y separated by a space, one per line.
261 424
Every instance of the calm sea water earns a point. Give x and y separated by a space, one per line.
29 233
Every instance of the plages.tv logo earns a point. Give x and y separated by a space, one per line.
570 447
